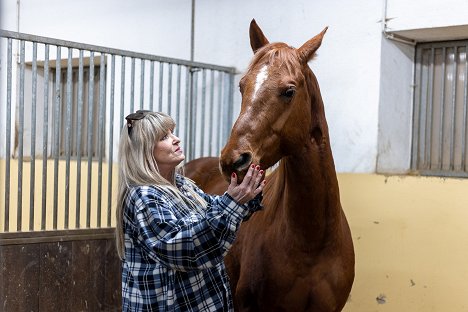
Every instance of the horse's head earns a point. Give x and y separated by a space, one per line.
277 114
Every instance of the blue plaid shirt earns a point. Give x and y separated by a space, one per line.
174 257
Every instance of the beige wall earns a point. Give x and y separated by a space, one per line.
411 242
26 186
410 235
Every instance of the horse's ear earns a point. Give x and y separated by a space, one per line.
257 38
307 50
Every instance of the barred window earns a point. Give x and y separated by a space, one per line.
440 109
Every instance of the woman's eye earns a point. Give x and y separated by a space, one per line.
165 137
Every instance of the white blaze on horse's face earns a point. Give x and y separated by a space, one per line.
262 75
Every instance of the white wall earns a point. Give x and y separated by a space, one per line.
359 73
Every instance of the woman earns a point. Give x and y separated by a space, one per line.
172 237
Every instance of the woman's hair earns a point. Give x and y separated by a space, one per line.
138 167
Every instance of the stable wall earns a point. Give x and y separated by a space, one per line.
410 239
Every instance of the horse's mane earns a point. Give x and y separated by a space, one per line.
276 52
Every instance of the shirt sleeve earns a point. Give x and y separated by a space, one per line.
192 242
252 205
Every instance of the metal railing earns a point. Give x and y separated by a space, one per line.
440 116
62 108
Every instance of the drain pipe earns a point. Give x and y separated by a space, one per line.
392 36
192 35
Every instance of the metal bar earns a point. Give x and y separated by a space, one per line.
230 99
111 142
417 111
122 92
203 109
151 93
210 118
177 108
101 143
132 87
465 117
33 138
429 113
169 90
56 140
142 84
79 138
188 90
161 80
6 226
193 115
68 131
442 102
20 138
454 96
81 46
221 108
90 139
45 137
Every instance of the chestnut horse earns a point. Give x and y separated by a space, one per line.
297 253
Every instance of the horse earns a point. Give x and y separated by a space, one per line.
297 253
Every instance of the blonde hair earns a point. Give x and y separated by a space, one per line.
138 167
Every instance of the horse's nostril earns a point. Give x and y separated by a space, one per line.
243 161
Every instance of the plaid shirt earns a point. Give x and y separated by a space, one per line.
174 257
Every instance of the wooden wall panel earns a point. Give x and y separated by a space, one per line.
60 273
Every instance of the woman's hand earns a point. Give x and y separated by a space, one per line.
251 186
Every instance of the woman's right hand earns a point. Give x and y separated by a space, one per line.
251 186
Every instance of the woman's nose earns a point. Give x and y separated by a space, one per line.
175 139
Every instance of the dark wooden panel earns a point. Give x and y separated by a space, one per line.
113 294
80 275
75 272
19 285
55 278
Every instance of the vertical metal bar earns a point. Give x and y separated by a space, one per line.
68 137
111 142
6 226
442 104
454 96
56 140
32 176
151 94
417 111
20 138
79 139
210 118
132 86
142 84
122 92
193 115
188 90
45 137
221 107
90 138
101 143
229 104
169 90
177 108
429 113
465 117
203 109
161 80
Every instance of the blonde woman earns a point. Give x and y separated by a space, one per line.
172 237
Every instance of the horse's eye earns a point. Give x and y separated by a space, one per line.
289 92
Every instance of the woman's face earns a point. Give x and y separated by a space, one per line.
168 153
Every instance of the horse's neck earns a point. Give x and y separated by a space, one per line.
310 193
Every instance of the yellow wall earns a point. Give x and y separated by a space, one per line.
411 242
61 194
